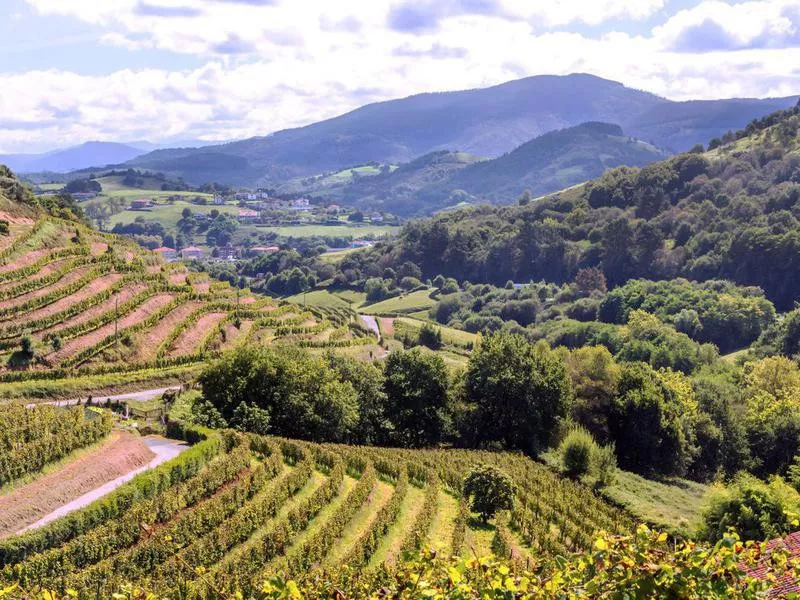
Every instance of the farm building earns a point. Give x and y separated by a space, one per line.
192 252
248 216
140 204
167 253
264 249
786 585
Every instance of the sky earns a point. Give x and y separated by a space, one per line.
167 71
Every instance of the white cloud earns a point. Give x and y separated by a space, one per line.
715 25
272 66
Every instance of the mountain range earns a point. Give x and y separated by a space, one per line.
486 122
89 154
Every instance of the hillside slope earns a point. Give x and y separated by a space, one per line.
729 213
75 303
486 122
553 161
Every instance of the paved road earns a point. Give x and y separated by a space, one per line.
164 450
372 324
140 396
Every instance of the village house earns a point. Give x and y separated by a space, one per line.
227 252
361 244
141 204
219 200
787 584
264 249
300 204
167 253
82 196
192 252
248 216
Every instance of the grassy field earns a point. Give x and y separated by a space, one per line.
318 298
673 504
336 257
406 303
168 214
450 335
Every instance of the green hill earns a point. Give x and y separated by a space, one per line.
438 180
728 213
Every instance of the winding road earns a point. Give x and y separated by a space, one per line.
140 396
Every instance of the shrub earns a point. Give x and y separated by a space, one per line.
490 489
430 336
754 509
604 465
576 452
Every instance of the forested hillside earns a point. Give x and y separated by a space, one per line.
553 161
727 213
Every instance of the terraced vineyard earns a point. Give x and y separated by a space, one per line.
235 508
79 305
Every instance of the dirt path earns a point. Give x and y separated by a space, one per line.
387 326
46 270
92 288
140 396
232 334
144 310
372 324
98 248
178 277
59 491
202 287
188 341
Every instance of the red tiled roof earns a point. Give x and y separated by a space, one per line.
788 583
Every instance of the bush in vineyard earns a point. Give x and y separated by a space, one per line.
491 490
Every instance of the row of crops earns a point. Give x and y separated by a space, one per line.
33 438
74 301
235 509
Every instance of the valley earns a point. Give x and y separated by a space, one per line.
552 354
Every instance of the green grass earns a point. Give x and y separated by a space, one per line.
450 335
390 545
322 517
478 538
673 504
444 523
381 492
318 298
335 257
168 214
407 303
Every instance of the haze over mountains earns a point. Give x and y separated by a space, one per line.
83 156
89 154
